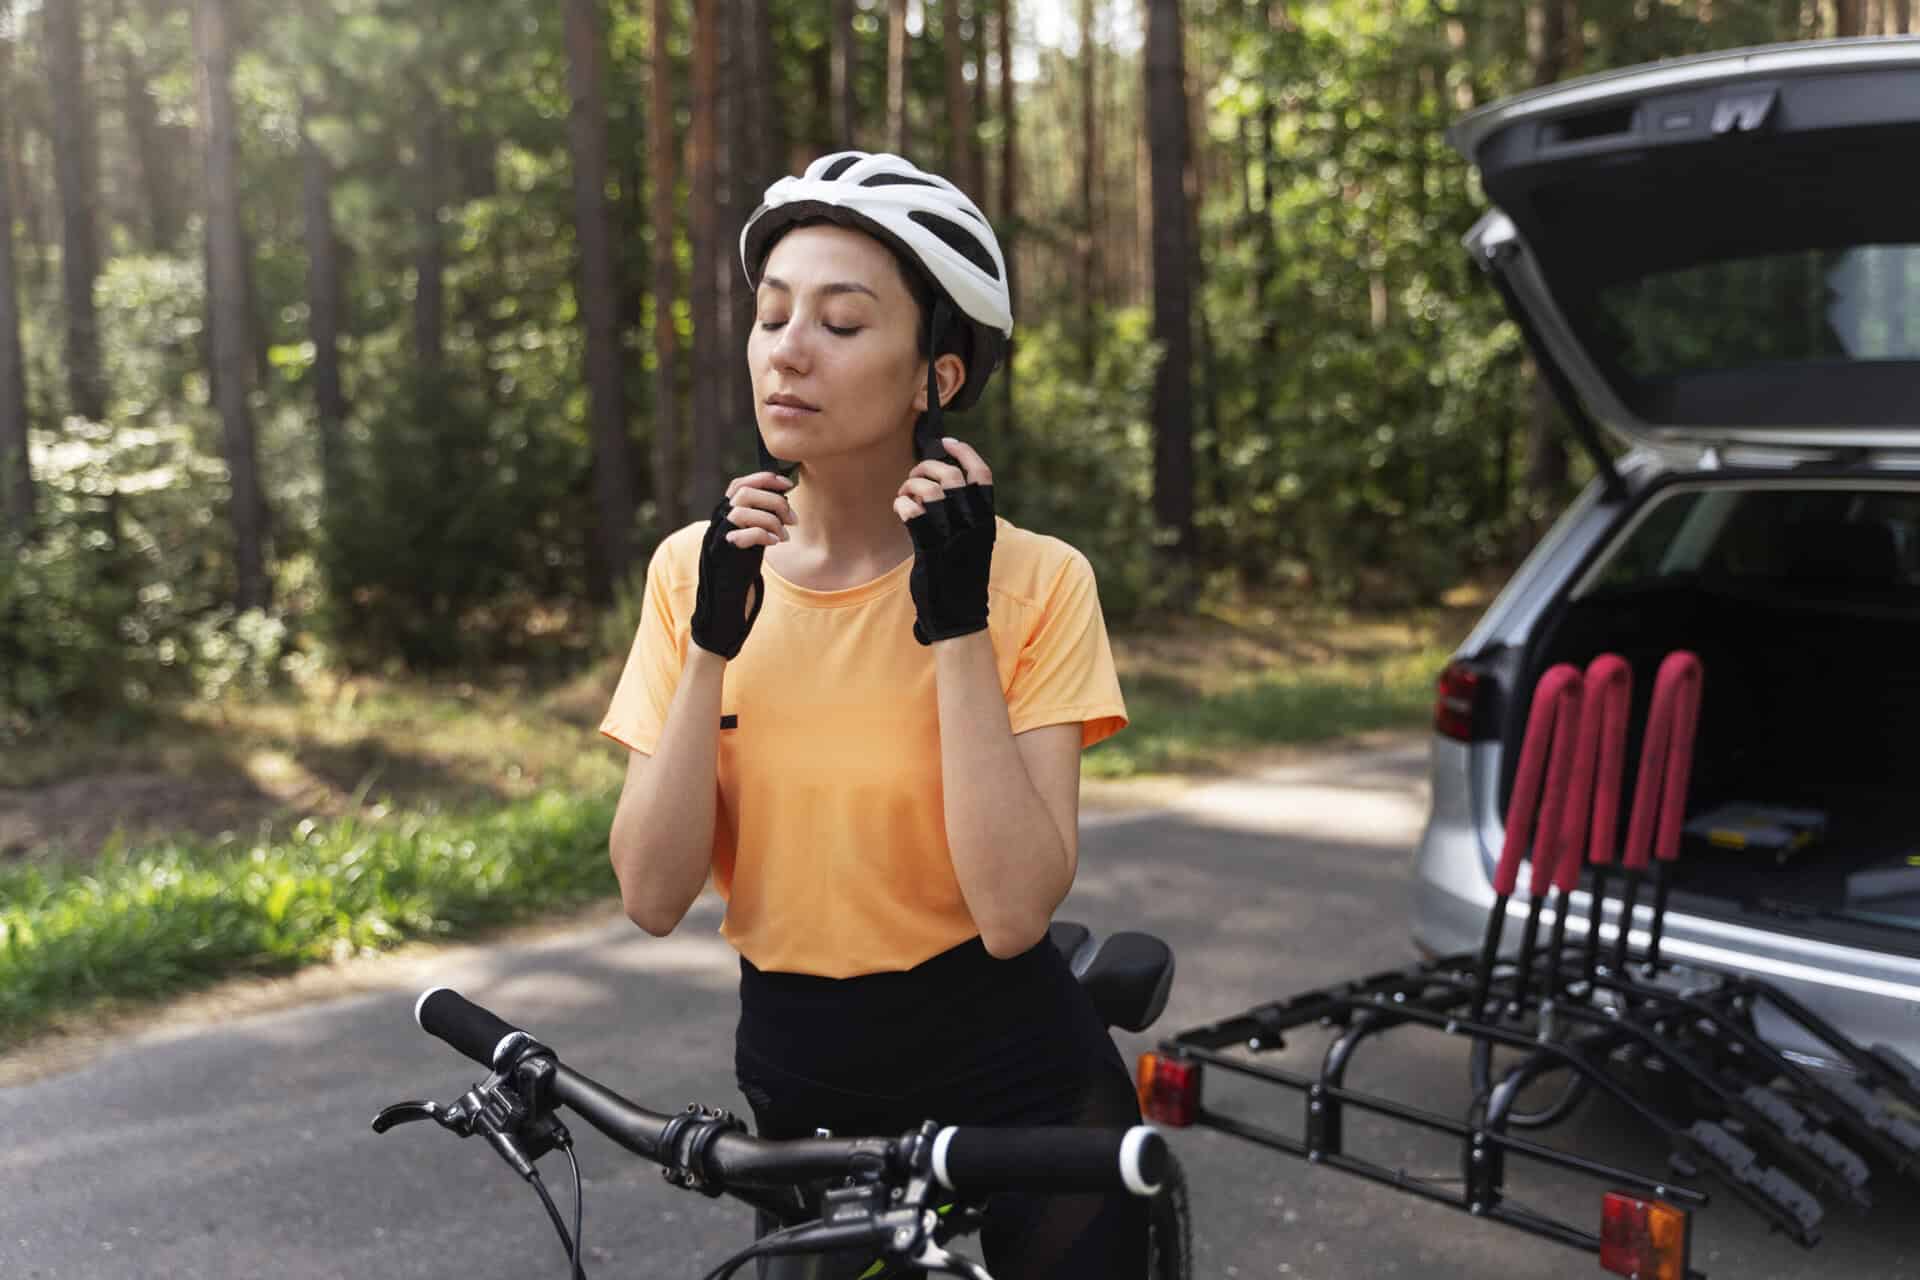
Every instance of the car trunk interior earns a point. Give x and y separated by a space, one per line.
1810 700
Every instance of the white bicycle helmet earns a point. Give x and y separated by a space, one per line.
930 223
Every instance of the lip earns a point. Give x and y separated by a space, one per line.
784 401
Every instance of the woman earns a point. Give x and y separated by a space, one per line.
889 687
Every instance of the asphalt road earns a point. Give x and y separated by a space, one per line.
243 1149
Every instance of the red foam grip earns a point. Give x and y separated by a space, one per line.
1681 675
1660 786
1562 756
1612 768
1559 685
1595 789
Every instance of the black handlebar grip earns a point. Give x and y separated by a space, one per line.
444 1012
1059 1158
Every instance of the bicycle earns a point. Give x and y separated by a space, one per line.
900 1200
1128 976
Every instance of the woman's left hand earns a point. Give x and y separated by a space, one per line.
948 511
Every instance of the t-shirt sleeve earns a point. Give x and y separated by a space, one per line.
1065 672
638 712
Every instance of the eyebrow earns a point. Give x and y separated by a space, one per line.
838 286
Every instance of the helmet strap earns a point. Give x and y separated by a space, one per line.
779 466
926 429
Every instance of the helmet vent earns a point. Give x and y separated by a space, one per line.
839 167
895 180
958 239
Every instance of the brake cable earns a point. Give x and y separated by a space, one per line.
518 1133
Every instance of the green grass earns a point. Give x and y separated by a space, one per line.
1172 727
507 819
175 916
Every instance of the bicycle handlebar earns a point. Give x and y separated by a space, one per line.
1053 1158
478 1033
964 1159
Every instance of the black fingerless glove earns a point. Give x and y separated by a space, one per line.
952 556
728 576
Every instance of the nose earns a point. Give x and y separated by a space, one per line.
789 348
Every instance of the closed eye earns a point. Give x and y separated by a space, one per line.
838 331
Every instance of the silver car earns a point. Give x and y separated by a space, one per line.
1716 263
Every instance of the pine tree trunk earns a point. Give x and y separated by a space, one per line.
325 299
706 480
1267 249
1172 411
1210 418
1120 110
16 468
226 288
766 156
26 206
1902 17
959 104
77 174
727 160
1143 212
661 153
845 111
599 293
1546 466
1089 182
749 154
897 76
1464 96
1008 227
776 129
150 149
430 258
976 148
1848 17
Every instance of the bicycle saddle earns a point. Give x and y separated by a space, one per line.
1128 974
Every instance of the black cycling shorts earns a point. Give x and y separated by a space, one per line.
962 1039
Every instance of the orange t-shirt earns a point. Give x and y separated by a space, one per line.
830 842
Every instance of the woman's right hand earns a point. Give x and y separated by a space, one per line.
752 517
758 508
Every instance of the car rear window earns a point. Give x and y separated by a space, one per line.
1814 306
1798 542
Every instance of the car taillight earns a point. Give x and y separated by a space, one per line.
1169 1090
1643 1238
1456 689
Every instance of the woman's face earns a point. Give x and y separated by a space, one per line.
834 352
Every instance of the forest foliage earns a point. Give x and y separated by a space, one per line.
420 292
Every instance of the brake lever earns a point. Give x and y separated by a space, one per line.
447 1117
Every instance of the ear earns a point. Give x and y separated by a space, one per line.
950 372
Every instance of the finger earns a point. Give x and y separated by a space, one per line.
772 480
907 509
744 538
944 474
971 463
750 518
761 500
923 490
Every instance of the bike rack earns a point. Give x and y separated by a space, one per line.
1775 1133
